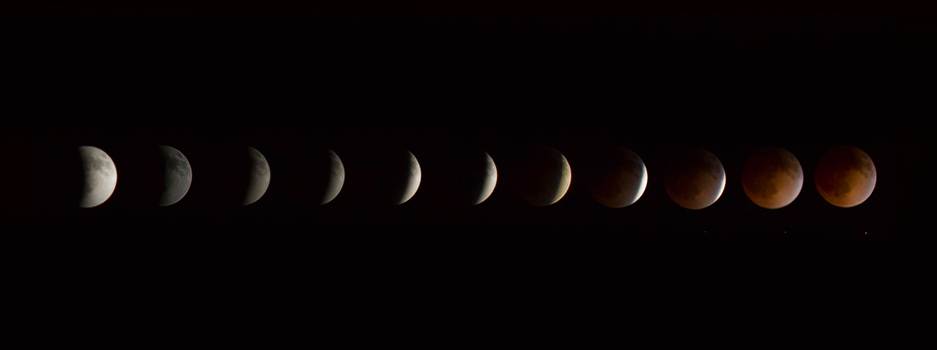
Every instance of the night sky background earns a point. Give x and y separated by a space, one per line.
649 76
443 86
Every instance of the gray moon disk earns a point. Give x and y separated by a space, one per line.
772 178
696 180
489 182
177 174
336 178
624 182
414 177
259 177
100 175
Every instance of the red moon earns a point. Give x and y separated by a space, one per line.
772 178
846 176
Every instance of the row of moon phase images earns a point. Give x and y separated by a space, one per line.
772 178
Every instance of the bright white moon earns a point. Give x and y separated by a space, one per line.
100 176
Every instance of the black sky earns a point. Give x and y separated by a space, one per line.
296 87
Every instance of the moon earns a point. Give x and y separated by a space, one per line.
845 176
259 179
696 179
543 176
461 178
100 176
177 176
489 180
336 178
412 178
772 178
622 180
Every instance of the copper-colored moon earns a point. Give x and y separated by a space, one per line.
696 179
772 178
845 176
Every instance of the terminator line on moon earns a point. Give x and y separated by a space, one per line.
414 176
177 176
336 178
846 176
623 180
489 180
542 176
772 178
259 179
696 179
100 176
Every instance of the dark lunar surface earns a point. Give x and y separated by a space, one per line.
459 179
695 178
539 175
380 177
846 176
620 178
772 177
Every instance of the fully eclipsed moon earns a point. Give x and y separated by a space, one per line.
543 176
772 178
695 179
259 179
846 176
622 179
177 176
100 176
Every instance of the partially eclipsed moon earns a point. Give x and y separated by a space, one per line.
336 178
413 177
623 181
259 178
772 178
177 176
100 176
489 181
543 176
846 176
696 179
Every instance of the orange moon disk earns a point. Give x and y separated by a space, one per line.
772 178
696 179
846 176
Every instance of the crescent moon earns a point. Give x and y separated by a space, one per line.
414 176
543 176
259 179
490 180
336 178
100 176
623 181
177 176
566 179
